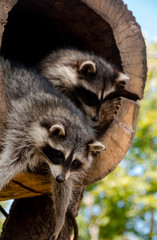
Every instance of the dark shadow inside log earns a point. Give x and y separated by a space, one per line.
35 27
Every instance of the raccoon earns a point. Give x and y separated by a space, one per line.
43 126
85 78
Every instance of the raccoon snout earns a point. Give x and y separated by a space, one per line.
60 179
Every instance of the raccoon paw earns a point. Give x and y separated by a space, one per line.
57 229
108 110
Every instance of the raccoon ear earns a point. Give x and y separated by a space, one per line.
96 147
59 129
87 67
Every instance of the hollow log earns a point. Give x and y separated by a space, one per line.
29 32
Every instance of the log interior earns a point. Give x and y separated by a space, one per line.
35 27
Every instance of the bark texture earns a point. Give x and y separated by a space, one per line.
32 218
34 28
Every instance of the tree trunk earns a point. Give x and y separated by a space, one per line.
33 218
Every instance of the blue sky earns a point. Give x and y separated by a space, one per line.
145 12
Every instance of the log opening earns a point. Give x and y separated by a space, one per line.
36 27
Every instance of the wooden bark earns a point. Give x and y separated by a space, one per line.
109 30
32 218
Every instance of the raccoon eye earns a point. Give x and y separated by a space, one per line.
58 154
76 164
55 156
89 98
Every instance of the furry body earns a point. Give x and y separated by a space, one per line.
42 125
85 78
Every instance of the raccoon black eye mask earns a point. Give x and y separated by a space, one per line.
85 78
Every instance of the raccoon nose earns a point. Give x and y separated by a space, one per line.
60 179
95 118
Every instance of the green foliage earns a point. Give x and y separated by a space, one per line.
123 206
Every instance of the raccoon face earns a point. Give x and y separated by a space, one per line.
67 157
96 80
84 78
63 165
